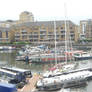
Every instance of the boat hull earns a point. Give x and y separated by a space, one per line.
59 86
75 84
82 58
76 78
52 87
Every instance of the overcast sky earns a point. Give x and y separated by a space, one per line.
47 9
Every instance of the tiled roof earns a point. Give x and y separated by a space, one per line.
42 23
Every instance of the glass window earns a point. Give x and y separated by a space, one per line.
24 31
6 34
0 34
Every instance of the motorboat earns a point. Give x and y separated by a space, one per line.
83 56
65 80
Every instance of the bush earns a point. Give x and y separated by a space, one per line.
5 43
21 42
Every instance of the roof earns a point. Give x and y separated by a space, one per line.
6 71
43 23
17 69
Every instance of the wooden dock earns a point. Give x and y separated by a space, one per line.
30 86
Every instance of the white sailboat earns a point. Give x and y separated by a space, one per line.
67 66
63 67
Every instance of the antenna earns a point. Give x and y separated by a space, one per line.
55 42
65 31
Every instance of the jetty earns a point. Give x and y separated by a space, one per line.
31 83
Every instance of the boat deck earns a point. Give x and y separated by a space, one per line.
30 86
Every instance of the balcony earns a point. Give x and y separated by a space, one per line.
50 34
42 30
63 34
17 34
4 38
17 38
24 34
32 34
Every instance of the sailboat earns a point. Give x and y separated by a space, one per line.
58 80
74 78
61 67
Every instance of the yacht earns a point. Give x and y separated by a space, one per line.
65 80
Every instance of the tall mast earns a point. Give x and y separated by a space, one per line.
65 31
55 42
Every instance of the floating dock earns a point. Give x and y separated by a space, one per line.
30 86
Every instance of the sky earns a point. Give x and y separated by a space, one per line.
47 10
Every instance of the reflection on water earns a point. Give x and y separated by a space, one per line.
73 90
7 58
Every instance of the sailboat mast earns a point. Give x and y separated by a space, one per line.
65 32
55 42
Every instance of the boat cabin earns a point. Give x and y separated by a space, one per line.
14 77
24 72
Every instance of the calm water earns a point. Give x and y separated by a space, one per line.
8 58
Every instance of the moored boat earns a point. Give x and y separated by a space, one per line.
5 87
25 72
7 48
83 56
74 78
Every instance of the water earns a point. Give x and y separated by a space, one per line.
8 58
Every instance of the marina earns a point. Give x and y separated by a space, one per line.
39 69
52 53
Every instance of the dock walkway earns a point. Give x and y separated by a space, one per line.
30 86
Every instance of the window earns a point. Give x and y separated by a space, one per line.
30 36
57 28
6 34
42 31
35 36
62 31
24 37
24 31
62 36
0 34
71 28
61 27
34 28
17 37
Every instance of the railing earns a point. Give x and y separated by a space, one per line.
4 38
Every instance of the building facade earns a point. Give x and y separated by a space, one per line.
86 29
83 25
26 17
6 35
44 32
37 32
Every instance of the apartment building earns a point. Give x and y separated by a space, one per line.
6 35
86 29
27 30
26 17
44 32
89 30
